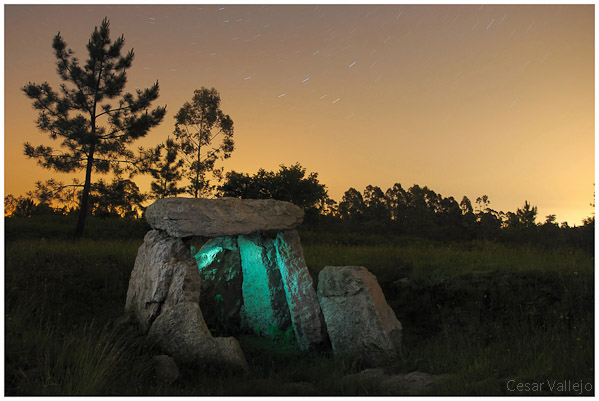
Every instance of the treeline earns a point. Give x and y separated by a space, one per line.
421 212
119 198
416 211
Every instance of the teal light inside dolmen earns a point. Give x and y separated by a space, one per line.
206 255
241 285
221 299
256 292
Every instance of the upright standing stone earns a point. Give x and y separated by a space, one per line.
182 333
360 323
164 274
219 265
264 301
164 295
306 316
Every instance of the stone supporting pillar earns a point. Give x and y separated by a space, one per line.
265 305
164 295
306 316
219 264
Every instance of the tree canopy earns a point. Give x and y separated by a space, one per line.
290 184
205 135
91 116
166 171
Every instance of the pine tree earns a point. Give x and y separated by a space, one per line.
94 131
197 126
167 172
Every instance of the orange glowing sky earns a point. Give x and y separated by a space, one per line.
467 100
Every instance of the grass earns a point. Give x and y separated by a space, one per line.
484 312
480 313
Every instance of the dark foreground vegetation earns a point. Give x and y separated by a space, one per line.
480 312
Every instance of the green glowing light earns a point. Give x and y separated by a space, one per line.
207 254
256 292
263 294
220 262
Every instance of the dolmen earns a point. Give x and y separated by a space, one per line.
240 264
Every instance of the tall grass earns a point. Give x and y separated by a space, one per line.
45 356
484 312
79 281
480 313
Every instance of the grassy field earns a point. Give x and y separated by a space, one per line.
480 313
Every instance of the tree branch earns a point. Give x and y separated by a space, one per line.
75 81
110 111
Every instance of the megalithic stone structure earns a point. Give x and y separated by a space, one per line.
307 318
253 251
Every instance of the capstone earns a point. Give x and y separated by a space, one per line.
185 217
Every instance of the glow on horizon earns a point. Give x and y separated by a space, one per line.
465 99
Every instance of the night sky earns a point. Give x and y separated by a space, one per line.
465 99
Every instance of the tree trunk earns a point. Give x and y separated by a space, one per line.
85 196
197 189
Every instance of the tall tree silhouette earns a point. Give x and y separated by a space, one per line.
376 205
94 131
197 125
352 206
167 171
523 218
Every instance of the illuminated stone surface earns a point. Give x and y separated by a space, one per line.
251 273
164 273
182 333
264 301
184 217
306 316
219 266
164 296
359 321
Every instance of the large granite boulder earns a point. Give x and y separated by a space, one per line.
306 316
164 274
164 295
185 217
360 323
182 333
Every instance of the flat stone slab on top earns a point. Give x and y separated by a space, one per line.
185 217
